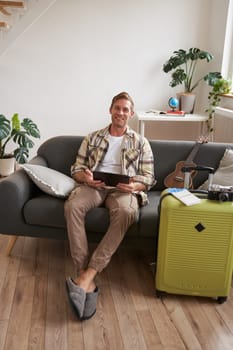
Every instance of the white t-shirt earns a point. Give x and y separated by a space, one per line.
112 160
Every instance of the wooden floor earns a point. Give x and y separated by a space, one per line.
35 313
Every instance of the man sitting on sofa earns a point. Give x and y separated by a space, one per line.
115 149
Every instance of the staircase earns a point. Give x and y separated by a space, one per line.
17 16
7 10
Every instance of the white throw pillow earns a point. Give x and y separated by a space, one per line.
224 174
49 180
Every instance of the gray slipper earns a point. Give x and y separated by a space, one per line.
90 304
77 297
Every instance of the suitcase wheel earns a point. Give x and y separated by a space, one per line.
221 300
159 293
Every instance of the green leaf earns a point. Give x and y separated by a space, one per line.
22 139
175 60
193 54
30 127
5 127
178 76
21 154
15 122
212 77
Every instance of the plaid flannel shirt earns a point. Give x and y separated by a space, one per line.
136 157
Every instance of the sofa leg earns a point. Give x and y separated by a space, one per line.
10 245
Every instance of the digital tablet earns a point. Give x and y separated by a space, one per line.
110 179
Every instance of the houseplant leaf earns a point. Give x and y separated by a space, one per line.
212 78
177 59
22 139
5 127
21 154
178 76
5 130
15 122
30 127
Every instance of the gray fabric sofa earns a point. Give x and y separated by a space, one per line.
26 210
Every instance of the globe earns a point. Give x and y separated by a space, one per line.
173 102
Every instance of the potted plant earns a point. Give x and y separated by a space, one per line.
219 87
183 65
20 133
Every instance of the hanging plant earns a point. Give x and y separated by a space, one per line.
221 86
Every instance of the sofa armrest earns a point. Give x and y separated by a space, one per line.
15 191
38 160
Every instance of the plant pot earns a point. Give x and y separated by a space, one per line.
7 166
186 101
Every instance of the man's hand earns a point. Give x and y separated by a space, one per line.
133 186
86 176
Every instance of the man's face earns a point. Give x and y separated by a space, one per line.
121 111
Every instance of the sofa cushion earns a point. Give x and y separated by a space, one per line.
224 174
148 220
45 210
49 180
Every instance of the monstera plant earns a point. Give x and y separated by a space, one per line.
183 66
19 133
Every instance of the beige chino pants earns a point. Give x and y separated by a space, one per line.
123 210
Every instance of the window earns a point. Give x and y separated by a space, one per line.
227 63
226 107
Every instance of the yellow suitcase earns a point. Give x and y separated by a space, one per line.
195 248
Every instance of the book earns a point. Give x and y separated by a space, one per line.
110 179
174 112
168 113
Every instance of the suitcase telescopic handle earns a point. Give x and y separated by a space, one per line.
188 169
198 168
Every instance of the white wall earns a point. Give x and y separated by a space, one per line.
63 71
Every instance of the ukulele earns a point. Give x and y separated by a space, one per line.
176 178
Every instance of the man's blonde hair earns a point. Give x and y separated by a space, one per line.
123 95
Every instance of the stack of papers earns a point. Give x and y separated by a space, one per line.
184 196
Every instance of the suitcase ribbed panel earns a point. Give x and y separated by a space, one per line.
195 248
207 250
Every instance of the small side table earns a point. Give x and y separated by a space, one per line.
150 116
